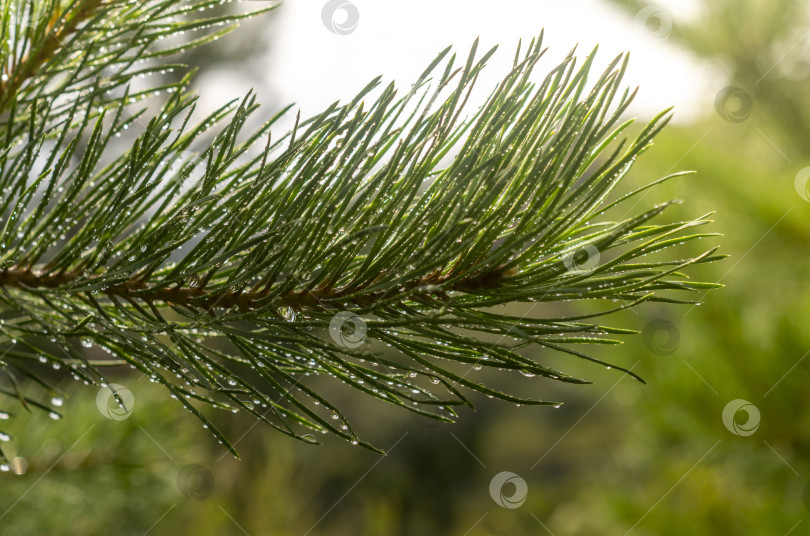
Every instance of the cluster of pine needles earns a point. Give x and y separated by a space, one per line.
214 257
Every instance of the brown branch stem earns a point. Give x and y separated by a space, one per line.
196 297
29 65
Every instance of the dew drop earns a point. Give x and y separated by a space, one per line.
19 465
287 313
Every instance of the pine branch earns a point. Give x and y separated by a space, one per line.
231 266
196 296
55 31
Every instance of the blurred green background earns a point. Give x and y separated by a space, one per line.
618 458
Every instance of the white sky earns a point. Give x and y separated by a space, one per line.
310 65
